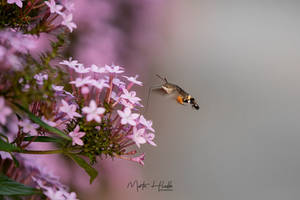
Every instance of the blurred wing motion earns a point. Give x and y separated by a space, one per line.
183 96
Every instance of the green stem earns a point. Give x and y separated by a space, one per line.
42 152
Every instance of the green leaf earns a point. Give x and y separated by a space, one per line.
43 139
16 162
82 163
5 146
4 136
43 124
9 187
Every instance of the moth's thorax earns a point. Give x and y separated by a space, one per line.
168 88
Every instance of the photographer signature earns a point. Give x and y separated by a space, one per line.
160 186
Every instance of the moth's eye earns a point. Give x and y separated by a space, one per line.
185 100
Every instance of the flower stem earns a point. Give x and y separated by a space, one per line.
42 152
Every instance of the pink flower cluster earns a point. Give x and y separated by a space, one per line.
54 191
101 98
100 85
56 8
64 10
12 43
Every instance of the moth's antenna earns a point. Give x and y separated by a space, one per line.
163 79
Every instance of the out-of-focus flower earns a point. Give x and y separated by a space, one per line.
100 84
97 69
4 155
93 112
26 87
70 196
29 127
4 111
49 184
49 122
40 78
76 135
54 8
18 2
85 90
2 52
127 117
70 110
81 81
54 194
138 136
67 21
11 44
69 5
12 127
70 63
58 88
114 69
81 69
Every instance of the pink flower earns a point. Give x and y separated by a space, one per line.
130 96
4 111
67 21
114 96
96 69
126 104
70 63
93 112
149 137
70 110
76 135
49 122
118 83
40 78
18 2
147 124
58 88
69 5
3 51
81 69
70 196
54 194
29 127
12 126
133 80
114 69
128 117
85 90
138 136
53 7
99 84
81 81
5 155
139 159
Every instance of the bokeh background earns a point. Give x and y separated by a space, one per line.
239 59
